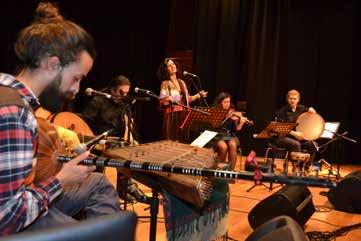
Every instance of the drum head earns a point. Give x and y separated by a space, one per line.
311 125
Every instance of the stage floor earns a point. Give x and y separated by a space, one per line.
241 203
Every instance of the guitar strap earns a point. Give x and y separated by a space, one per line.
10 96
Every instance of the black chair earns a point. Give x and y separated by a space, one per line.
120 226
272 152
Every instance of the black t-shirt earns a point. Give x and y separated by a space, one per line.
285 114
103 114
229 127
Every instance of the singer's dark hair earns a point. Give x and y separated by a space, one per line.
221 96
51 35
162 72
118 81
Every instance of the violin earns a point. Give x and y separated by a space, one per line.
235 115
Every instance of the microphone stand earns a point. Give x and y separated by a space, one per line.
126 115
197 89
131 126
338 137
151 94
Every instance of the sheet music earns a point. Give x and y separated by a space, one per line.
204 138
330 129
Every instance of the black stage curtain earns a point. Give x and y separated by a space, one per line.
257 50
130 39
254 49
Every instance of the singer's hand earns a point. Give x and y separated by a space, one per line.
166 100
72 173
203 93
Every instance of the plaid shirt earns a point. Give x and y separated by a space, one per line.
20 205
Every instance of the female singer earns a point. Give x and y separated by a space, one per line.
174 97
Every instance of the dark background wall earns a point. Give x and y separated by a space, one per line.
256 50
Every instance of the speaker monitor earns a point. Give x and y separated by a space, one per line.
290 200
279 228
347 196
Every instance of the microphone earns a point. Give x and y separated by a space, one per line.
138 194
90 91
139 90
185 73
83 147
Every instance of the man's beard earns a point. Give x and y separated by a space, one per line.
52 99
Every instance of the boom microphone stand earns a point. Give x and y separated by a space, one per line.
151 94
337 137
197 89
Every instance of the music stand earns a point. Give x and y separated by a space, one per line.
215 117
330 133
276 129
195 119
330 129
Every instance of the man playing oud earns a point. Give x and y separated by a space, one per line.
56 55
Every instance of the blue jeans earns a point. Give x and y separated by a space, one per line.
96 196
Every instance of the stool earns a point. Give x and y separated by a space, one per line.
274 151
299 162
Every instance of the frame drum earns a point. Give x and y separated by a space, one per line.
311 125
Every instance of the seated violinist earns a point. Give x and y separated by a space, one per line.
228 141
